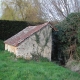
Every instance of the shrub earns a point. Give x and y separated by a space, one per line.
69 36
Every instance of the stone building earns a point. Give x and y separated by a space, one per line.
32 40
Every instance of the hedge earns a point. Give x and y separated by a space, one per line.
10 28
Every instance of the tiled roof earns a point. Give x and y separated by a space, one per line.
25 33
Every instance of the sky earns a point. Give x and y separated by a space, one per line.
0 9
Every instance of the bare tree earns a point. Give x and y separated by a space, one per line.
59 9
37 10
25 10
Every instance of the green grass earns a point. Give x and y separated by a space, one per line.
1 45
20 69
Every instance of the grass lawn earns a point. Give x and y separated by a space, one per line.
20 69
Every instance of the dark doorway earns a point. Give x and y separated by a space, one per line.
56 54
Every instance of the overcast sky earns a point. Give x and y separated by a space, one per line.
0 8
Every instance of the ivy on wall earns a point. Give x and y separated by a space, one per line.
37 38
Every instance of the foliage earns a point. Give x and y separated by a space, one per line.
9 28
20 69
68 35
37 38
8 14
47 39
1 45
23 10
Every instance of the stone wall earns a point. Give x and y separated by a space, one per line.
39 43
10 48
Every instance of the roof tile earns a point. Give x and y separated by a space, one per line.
25 33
